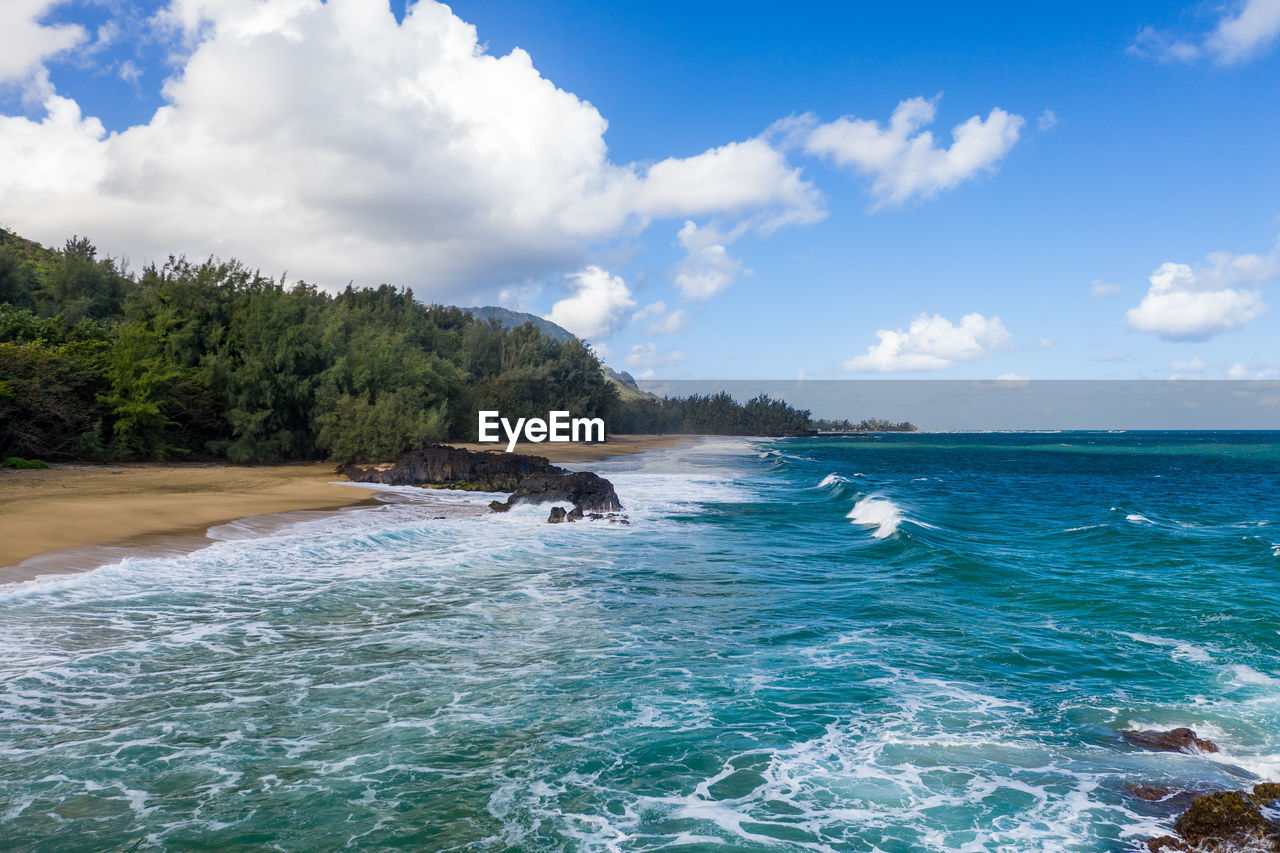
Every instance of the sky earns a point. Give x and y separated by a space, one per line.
701 190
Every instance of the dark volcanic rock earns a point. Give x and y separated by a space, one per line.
1224 822
586 491
1227 820
453 467
557 515
530 479
1174 740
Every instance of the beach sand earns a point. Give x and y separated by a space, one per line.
75 517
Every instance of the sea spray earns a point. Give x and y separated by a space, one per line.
878 512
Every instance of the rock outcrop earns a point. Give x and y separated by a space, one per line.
530 479
1174 740
455 468
587 492
1224 822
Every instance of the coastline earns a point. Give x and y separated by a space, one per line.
75 517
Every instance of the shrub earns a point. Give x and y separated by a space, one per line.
23 464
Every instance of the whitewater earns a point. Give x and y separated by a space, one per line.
895 643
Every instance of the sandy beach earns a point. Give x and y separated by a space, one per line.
74 517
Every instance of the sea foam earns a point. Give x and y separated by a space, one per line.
878 512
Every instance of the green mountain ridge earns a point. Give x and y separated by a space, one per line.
510 319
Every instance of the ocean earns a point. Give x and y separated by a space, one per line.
922 642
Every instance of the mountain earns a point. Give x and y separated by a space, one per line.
510 319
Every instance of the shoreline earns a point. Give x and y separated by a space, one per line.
77 517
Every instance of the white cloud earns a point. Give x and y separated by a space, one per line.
1100 289
25 43
1240 370
1012 377
707 268
1195 365
735 178
1151 43
645 358
597 306
129 71
1244 32
653 309
660 321
931 342
902 159
330 140
1048 120
1194 304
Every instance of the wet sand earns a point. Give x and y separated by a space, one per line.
76 517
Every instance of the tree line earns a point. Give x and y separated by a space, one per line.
213 360
867 425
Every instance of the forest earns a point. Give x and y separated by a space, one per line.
866 425
213 360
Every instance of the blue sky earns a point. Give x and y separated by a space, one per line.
1113 212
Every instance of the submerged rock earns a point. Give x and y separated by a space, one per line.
1175 797
575 514
1174 740
557 515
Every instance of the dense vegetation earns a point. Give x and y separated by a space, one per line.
868 425
714 414
214 360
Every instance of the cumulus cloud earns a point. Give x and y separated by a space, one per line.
328 139
1244 32
931 342
597 306
707 267
26 42
1186 304
646 358
659 321
903 160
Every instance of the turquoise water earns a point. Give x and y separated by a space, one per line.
895 644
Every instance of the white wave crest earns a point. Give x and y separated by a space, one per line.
881 513
831 480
